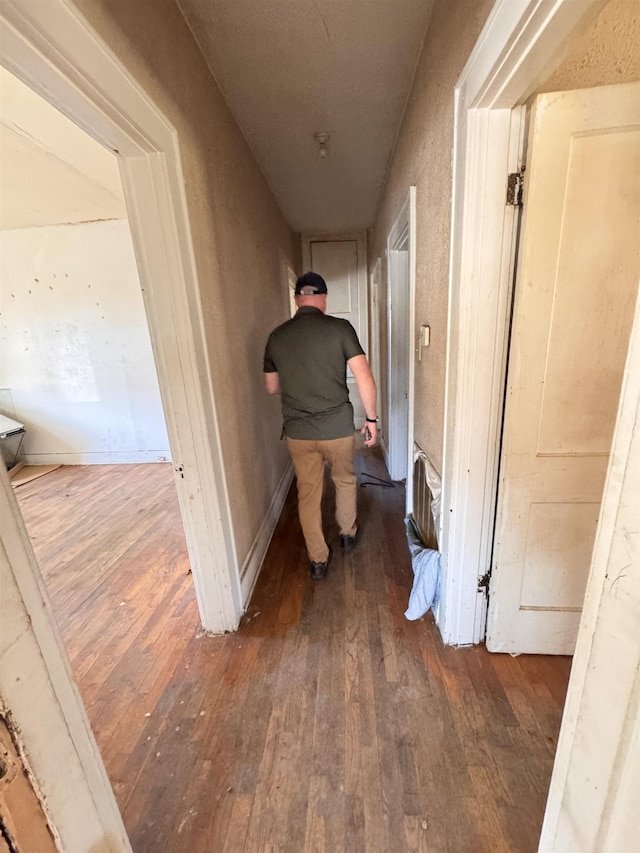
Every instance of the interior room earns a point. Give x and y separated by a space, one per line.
77 368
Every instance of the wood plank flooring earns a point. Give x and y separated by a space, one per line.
328 722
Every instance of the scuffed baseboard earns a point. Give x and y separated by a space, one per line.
385 449
258 551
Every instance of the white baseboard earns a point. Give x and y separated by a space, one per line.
79 457
258 551
385 449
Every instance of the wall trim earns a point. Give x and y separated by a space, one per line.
375 286
258 551
384 447
112 457
403 227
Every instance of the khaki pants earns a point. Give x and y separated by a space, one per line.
308 460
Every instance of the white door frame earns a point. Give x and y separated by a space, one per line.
52 49
404 229
375 284
519 46
38 690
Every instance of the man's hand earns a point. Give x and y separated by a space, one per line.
272 383
367 390
372 430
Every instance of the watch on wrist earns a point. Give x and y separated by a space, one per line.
371 420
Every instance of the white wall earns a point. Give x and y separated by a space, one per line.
75 351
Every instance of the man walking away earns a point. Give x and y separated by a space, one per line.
305 361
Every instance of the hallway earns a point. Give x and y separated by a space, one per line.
328 722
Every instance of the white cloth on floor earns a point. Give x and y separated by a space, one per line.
426 575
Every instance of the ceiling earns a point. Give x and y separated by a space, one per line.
51 172
291 68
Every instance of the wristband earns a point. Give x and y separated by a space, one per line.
371 420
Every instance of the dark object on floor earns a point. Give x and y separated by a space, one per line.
348 543
386 484
318 571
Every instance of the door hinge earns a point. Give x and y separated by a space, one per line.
483 583
515 188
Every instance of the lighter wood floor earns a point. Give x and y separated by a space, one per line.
328 722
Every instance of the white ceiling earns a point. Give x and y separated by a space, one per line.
51 172
291 68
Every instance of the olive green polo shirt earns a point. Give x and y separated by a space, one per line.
310 354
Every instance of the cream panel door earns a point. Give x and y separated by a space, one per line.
337 262
575 292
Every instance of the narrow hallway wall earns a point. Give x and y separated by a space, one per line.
241 242
422 157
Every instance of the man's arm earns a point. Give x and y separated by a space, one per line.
367 390
272 383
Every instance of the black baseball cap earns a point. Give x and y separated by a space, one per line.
310 284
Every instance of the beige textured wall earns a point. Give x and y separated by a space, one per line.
607 52
240 238
423 157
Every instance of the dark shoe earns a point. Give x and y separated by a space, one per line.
348 542
318 571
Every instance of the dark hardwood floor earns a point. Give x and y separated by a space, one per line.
328 722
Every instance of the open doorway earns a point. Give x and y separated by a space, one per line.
96 488
69 68
400 324
76 365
